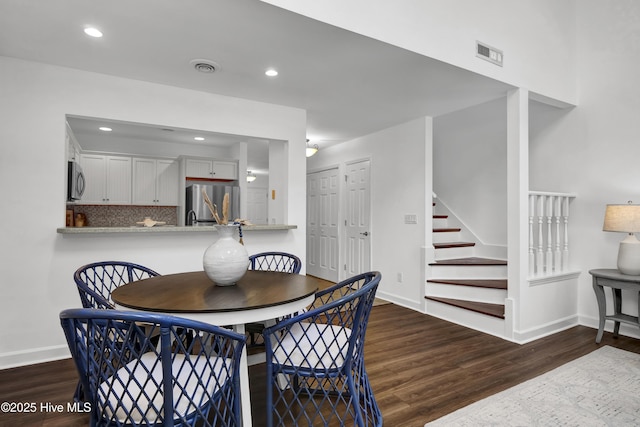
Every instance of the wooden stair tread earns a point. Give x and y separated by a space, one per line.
478 283
495 310
445 245
446 230
441 216
470 261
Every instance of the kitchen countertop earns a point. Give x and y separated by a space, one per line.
166 229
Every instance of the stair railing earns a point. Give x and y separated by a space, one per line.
548 233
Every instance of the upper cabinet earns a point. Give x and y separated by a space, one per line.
211 169
107 179
155 182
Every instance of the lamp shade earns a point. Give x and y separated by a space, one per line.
622 218
311 150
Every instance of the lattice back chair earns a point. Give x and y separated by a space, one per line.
270 261
275 261
315 360
131 381
97 280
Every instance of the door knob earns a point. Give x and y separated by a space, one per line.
366 233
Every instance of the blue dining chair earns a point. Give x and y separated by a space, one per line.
275 261
315 360
97 280
270 261
131 381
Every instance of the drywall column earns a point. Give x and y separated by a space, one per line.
517 208
278 176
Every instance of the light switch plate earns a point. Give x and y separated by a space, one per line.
410 219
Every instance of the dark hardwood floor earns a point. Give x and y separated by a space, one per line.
421 368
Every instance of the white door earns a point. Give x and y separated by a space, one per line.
257 205
322 224
357 224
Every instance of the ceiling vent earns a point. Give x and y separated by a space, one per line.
205 66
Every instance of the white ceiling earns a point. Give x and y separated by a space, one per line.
349 84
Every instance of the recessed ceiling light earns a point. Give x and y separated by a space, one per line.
271 72
105 129
198 138
93 32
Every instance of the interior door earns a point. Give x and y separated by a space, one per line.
322 224
357 223
257 205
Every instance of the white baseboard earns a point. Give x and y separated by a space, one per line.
33 356
626 330
523 337
403 302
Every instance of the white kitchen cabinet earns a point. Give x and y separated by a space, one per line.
107 179
155 182
211 169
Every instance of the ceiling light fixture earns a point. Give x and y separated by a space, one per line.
105 129
198 138
93 32
271 72
311 149
250 177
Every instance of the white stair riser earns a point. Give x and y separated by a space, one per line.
468 271
467 293
440 222
479 322
446 237
452 253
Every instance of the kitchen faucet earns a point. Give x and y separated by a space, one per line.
191 217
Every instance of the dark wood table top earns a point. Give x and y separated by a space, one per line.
194 292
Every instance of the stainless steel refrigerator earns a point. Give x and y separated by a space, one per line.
197 211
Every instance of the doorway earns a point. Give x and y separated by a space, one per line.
323 195
329 256
358 218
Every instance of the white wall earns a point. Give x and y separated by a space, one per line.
537 36
593 149
399 183
469 174
36 263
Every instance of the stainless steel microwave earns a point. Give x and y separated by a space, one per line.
75 182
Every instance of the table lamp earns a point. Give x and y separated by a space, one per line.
625 219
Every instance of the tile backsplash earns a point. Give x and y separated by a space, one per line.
124 216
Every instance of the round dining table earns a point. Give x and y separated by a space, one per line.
259 296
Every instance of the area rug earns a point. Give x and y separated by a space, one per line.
599 389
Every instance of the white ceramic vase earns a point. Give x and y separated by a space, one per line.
226 261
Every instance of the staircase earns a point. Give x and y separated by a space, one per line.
463 287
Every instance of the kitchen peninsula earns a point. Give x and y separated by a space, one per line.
168 229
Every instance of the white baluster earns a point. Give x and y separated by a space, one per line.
548 261
532 256
557 260
540 253
565 248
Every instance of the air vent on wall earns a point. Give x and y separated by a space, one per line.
205 65
489 53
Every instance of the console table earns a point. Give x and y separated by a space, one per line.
617 281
